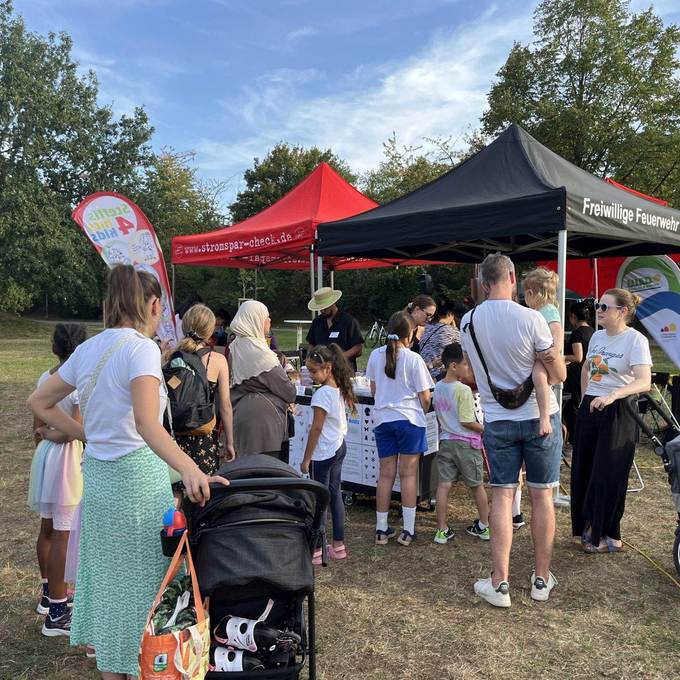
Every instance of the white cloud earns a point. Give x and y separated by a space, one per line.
437 93
302 32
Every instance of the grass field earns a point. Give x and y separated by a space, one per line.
393 612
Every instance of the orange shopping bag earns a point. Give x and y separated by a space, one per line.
182 654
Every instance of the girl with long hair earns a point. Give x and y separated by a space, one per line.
325 450
400 384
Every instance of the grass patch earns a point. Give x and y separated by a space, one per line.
394 613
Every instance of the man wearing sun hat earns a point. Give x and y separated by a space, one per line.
334 326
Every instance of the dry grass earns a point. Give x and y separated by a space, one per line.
395 612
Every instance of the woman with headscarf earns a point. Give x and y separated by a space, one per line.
260 389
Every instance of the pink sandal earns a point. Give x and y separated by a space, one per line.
316 558
339 553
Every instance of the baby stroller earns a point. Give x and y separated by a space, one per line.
667 447
252 546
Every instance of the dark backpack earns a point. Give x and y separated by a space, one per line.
191 404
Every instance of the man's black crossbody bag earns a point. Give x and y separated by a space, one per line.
510 399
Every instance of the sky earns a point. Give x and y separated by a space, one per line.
228 79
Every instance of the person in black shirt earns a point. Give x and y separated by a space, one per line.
575 351
334 326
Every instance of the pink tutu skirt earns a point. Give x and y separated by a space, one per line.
56 478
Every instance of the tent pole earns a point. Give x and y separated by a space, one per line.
311 273
597 288
559 499
172 266
333 278
255 291
319 272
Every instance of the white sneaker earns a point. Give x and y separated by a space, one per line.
498 597
540 590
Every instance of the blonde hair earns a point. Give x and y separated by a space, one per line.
198 325
543 284
626 299
127 293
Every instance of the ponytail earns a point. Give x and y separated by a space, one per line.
127 292
399 328
198 325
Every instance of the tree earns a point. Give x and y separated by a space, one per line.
599 86
277 173
407 168
56 146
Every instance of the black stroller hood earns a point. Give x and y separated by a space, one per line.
259 530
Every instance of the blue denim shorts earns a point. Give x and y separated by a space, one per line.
510 443
400 436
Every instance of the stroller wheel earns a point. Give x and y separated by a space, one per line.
676 551
348 498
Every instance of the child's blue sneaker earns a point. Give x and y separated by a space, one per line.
382 537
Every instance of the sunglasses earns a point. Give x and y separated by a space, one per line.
603 306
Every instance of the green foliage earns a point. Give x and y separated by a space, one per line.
600 87
56 146
277 173
405 169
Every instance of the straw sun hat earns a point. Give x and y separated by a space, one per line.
324 298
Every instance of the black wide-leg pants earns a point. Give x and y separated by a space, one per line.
603 453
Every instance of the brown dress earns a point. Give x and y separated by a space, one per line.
260 407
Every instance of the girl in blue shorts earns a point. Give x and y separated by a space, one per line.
400 384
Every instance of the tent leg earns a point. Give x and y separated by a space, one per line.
255 291
311 274
597 288
333 278
172 266
319 272
559 499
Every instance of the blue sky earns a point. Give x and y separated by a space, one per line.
230 78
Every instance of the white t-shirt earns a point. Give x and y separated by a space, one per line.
335 424
509 337
68 403
397 398
109 422
611 358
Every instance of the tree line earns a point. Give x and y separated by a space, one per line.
598 85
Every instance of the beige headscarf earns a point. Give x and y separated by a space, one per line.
249 353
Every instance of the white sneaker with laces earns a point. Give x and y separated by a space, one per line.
540 590
498 597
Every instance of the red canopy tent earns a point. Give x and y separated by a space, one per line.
283 235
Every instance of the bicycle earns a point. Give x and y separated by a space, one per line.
377 335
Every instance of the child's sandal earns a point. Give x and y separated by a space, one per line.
339 553
317 558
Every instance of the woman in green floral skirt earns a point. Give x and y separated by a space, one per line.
126 482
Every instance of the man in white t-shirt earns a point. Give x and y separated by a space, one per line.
511 338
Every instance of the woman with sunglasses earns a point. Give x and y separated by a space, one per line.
422 310
617 368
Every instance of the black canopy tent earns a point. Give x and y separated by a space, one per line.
514 196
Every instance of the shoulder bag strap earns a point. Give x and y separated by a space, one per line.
476 344
429 337
89 387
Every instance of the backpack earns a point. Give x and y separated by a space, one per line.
191 405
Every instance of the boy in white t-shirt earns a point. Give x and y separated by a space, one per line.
460 445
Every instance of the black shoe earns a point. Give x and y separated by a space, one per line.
518 522
43 606
60 626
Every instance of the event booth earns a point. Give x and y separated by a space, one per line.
283 236
514 196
